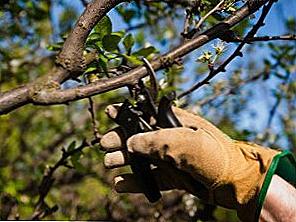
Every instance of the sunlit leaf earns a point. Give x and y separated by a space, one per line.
145 52
71 146
104 27
128 42
133 59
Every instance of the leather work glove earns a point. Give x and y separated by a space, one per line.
198 158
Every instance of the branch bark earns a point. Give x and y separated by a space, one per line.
71 62
213 72
71 57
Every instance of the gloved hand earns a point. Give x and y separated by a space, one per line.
198 158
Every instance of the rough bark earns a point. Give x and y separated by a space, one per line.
71 63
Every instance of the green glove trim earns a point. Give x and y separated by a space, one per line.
284 165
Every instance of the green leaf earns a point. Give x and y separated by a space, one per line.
103 62
75 161
71 146
140 38
90 69
104 27
145 52
133 59
94 37
127 14
119 33
128 42
110 42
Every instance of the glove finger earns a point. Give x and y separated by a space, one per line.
165 144
167 178
116 159
112 110
113 140
198 153
187 119
127 183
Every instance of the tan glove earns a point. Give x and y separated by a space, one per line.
198 158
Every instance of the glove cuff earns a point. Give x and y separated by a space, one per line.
284 165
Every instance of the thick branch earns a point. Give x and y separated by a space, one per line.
71 60
71 56
14 99
64 96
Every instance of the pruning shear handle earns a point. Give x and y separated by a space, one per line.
128 118
165 116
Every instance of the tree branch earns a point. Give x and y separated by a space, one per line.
70 61
71 57
216 8
229 90
92 111
44 96
14 99
213 72
272 38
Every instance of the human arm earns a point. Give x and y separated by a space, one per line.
280 202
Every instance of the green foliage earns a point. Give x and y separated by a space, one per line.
127 14
128 42
75 160
110 42
104 27
72 146
109 46
145 52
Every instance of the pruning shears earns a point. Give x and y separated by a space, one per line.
135 118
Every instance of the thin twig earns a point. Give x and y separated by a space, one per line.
202 19
230 90
271 38
92 111
272 112
152 74
213 72
188 17
42 209
266 38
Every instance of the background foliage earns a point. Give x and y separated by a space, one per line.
253 100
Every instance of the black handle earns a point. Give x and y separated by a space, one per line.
140 165
166 117
145 179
